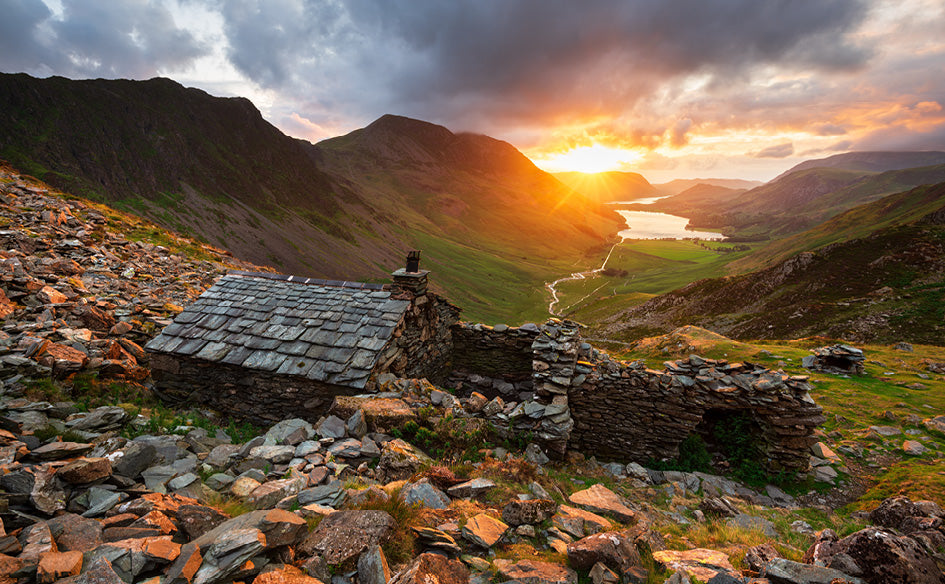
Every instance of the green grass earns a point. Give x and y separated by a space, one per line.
852 404
652 266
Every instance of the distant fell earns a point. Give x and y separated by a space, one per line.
876 273
871 161
609 186
674 187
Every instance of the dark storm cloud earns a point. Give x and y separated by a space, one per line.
20 39
130 38
528 58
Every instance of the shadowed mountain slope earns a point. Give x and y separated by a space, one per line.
346 208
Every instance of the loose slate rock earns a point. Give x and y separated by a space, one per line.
425 494
344 535
615 549
430 568
75 533
701 563
472 488
782 571
484 531
528 512
600 499
532 572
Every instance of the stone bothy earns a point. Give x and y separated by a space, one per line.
264 347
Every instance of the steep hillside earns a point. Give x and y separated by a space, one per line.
347 208
886 286
609 186
800 200
204 166
870 161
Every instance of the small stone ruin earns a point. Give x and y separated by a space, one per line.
836 359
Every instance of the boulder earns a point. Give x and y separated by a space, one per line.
701 563
101 419
227 553
600 499
782 571
528 512
424 494
380 414
614 549
484 531
332 427
289 432
345 535
534 572
429 568
878 555
399 461
578 523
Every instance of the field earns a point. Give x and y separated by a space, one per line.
645 268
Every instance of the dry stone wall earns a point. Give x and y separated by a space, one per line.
255 396
423 344
585 401
631 413
495 361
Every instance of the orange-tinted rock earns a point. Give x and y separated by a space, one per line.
85 470
282 574
49 295
429 568
532 572
55 565
186 564
600 499
156 520
702 563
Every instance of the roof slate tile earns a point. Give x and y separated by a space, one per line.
290 325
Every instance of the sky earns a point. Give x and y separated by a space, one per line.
667 88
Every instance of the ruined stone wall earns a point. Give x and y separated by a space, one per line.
580 399
629 413
423 342
495 361
255 396
500 352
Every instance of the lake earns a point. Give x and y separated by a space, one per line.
649 225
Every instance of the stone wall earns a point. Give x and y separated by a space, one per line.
495 361
255 396
630 413
585 401
423 345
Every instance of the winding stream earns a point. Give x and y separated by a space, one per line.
645 225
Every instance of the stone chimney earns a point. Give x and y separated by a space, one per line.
411 277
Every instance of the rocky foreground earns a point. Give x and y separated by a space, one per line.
119 494
343 501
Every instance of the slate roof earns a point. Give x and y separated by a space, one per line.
328 331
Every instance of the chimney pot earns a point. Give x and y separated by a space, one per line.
413 261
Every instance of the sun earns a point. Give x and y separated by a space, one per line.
589 159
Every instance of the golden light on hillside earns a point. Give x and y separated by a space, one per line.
589 159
